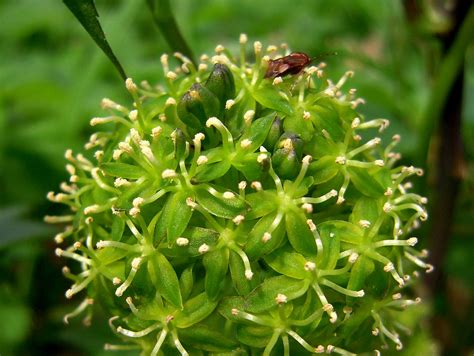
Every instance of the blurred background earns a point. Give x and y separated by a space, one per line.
53 77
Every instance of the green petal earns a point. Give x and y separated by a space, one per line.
256 134
194 310
216 263
123 170
224 208
175 217
323 169
365 182
269 96
255 247
165 279
208 339
343 230
237 271
299 234
263 297
288 263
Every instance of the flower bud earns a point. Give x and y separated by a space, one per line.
287 155
179 142
196 106
291 140
285 162
221 84
274 134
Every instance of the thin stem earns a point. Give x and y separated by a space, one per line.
271 343
141 333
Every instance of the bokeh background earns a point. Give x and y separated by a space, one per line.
52 77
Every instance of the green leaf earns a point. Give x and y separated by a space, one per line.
254 336
323 169
221 207
365 182
196 236
255 246
86 13
343 230
331 248
118 227
228 303
263 297
326 117
296 124
299 234
211 171
269 96
175 217
186 282
261 203
123 170
256 134
194 310
365 209
109 255
165 279
237 271
288 263
361 269
204 338
216 264
319 146
249 166
114 269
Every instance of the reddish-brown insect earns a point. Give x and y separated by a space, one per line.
291 64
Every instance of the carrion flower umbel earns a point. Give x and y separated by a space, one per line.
229 212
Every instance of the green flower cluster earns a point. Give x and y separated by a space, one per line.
229 213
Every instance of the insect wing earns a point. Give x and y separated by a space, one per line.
290 64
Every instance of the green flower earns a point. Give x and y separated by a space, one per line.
225 212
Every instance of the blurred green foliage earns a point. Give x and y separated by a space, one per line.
52 79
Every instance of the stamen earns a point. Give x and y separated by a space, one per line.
277 80
80 308
135 266
281 298
249 115
141 333
169 173
201 160
182 241
256 185
203 249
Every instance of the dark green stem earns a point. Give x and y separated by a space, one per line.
164 19
449 69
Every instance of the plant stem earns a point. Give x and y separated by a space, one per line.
448 72
164 19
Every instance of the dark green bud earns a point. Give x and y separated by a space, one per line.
287 155
274 134
196 106
286 163
221 83
292 141
179 142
